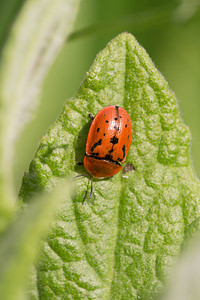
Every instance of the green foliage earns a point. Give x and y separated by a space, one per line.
31 35
26 56
123 245
19 243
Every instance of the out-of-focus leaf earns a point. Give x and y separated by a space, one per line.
8 12
184 283
20 242
36 36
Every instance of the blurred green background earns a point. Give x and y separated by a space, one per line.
168 30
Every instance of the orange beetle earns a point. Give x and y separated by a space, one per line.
108 142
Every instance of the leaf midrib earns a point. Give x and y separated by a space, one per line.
114 261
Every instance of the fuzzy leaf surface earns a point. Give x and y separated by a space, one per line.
37 32
19 243
121 246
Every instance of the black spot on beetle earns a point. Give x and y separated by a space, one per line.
115 119
98 129
120 117
126 126
119 159
107 121
114 140
108 156
117 128
124 151
96 144
104 134
95 153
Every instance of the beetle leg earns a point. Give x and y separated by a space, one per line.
91 116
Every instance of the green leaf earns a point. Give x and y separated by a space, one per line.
19 244
184 283
122 245
8 12
36 36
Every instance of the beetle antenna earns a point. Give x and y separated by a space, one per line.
79 176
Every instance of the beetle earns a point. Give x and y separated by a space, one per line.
108 142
